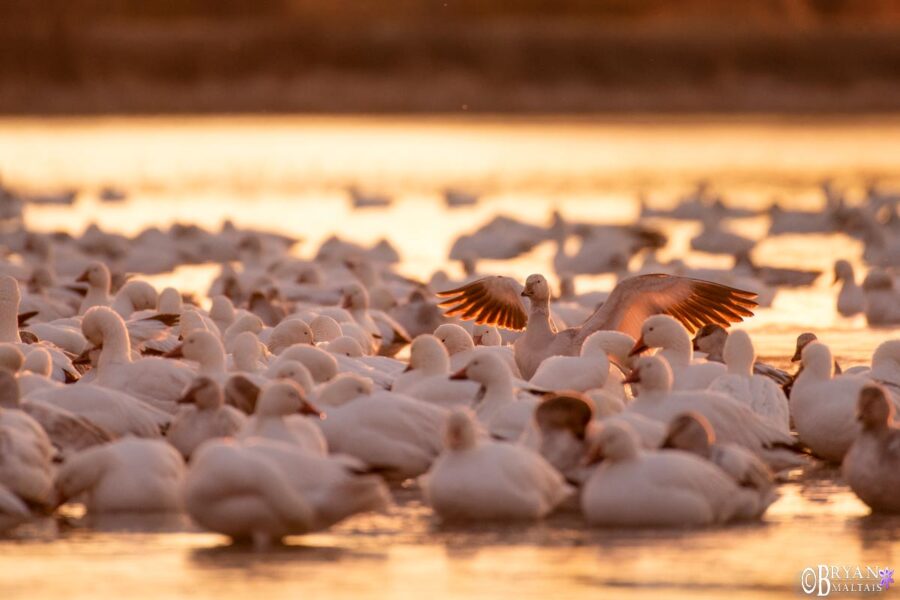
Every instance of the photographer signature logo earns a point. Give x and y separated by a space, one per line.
823 580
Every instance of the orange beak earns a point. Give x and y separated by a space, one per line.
176 352
633 377
639 346
461 374
84 277
308 409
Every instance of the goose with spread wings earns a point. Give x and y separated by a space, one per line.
498 301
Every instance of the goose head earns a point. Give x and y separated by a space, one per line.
803 340
710 339
485 368
874 409
459 431
101 324
246 349
139 294
282 398
537 289
321 365
97 276
690 432
454 337
354 297
38 362
344 388
204 392
345 346
739 353
563 419
886 362
170 301
294 371
614 442
200 346
817 360
289 332
843 271
222 310
651 374
325 329
428 354
662 331
616 344
486 335
11 358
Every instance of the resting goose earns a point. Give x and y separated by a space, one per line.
710 339
203 416
497 301
280 415
667 334
872 464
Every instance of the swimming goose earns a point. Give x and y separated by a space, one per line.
850 300
691 432
280 415
130 475
823 406
263 490
761 394
157 381
872 464
203 416
666 333
497 301
477 479
664 488
732 421
710 339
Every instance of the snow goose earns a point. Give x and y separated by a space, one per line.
666 333
203 416
732 421
131 475
248 354
98 279
872 464
850 300
244 323
710 339
505 415
263 490
324 328
428 375
67 431
823 406
321 364
691 432
280 415
585 372
155 380
26 468
395 435
886 367
462 347
35 373
486 335
497 301
882 300
287 333
667 488
760 393
476 479
133 297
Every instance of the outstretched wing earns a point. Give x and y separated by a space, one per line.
488 301
693 302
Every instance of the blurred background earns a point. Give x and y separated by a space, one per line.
489 56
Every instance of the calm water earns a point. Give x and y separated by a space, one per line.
289 174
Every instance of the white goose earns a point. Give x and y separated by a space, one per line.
585 372
497 301
155 380
475 479
760 393
204 416
668 488
393 434
263 490
886 367
129 475
280 415
872 464
97 277
851 300
882 299
666 333
732 421
505 415
462 347
428 375
824 406
26 468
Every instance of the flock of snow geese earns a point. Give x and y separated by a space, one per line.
279 407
